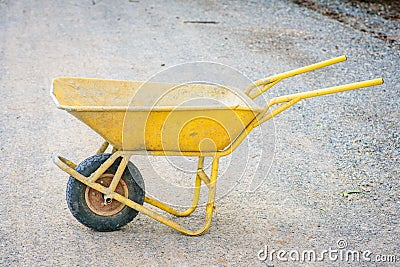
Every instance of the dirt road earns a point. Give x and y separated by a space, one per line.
323 146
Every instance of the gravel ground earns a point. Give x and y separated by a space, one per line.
378 18
323 146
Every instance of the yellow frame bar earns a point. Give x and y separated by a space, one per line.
195 201
102 148
270 81
326 91
66 165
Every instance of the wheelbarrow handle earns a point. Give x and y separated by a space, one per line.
290 100
270 81
326 91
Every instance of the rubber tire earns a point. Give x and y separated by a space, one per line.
75 195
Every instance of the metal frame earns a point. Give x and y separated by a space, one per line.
253 91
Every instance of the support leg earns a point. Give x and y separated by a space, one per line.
211 194
195 200
160 218
102 148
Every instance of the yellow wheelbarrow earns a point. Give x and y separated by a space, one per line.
106 191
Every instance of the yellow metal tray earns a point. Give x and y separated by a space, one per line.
157 116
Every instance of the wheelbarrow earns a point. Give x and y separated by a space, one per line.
106 191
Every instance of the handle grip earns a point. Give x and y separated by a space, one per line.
290 100
272 80
326 91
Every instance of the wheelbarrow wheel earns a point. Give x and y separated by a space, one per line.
88 205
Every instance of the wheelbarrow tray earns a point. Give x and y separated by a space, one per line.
137 116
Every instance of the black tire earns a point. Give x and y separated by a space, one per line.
79 207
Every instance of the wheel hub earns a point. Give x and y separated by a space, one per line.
102 205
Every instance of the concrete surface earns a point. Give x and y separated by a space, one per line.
324 146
